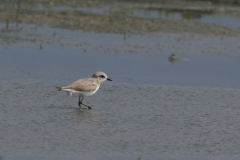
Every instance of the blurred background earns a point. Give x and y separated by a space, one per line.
117 16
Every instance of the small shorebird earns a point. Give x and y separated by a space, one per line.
85 87
173 58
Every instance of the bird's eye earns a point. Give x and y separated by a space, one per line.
102 76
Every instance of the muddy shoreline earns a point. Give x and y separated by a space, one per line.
170 121
116 23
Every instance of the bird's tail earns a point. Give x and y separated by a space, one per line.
59 88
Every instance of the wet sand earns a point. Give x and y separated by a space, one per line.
126 120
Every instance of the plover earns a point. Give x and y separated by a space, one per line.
85 87
173 58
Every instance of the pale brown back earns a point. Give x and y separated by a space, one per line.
86 85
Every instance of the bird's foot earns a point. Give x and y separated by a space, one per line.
87 106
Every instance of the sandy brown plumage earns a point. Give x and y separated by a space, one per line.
86 85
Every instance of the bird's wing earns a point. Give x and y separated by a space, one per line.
85 85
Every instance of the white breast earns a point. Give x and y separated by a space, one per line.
72 92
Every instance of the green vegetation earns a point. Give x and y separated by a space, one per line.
18 11
7 27
41 47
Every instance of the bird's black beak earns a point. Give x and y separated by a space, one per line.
109 79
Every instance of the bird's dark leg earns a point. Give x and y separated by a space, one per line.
85 104
79 102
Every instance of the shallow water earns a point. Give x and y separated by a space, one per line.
196 15
70 55
59 64
151 109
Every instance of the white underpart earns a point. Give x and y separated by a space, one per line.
72 92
